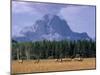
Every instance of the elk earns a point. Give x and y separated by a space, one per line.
37 58
20 61
78 57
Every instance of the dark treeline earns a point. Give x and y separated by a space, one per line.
53 49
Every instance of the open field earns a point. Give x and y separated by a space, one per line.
28 66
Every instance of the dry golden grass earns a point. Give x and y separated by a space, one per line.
28 66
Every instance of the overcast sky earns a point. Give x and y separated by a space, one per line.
80 18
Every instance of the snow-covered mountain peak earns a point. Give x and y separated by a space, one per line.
50 27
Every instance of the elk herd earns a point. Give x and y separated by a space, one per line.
66 59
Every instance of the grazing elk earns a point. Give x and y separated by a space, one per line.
59 58
20 61
37 58
37 61
78 57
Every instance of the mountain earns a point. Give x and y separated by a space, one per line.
50 27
